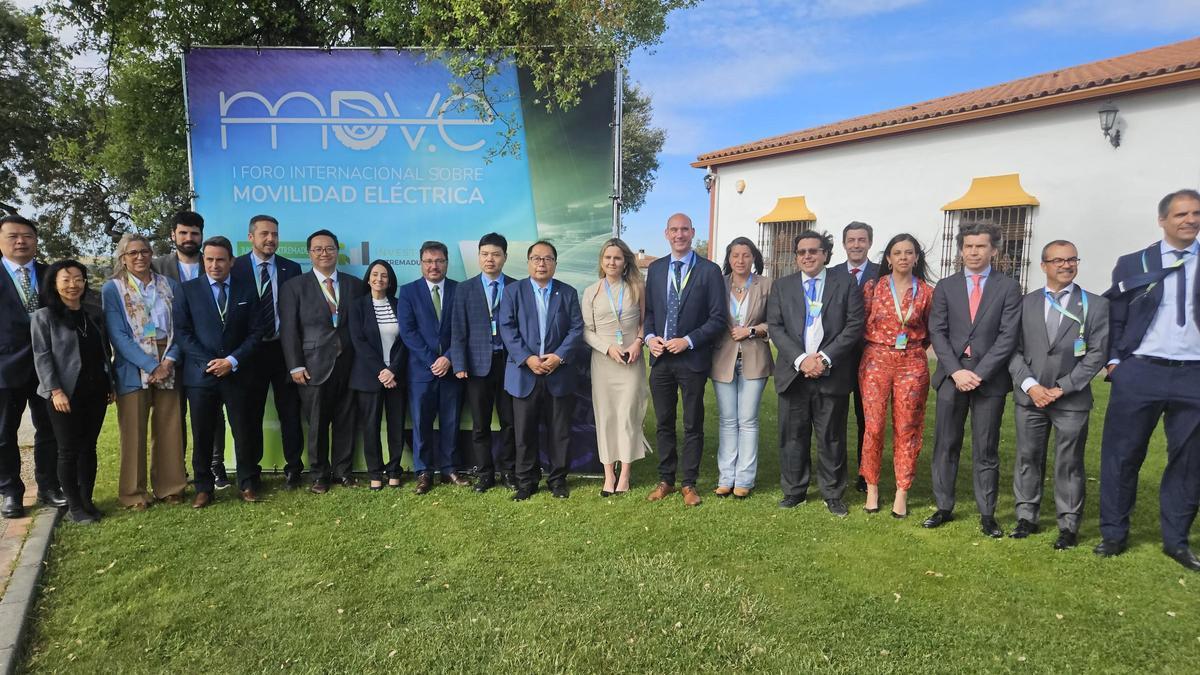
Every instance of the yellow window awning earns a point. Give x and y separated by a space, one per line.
788 209
993 191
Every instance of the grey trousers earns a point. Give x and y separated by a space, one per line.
986 415
1070 439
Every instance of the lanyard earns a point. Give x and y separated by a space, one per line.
814 305
144 292
222 311
736 306
1145 269
691 268
331 298
494 302
258 276
1063 310
618 306
896 301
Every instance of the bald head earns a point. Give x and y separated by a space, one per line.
679 234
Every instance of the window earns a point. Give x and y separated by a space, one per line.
1001 201
777 234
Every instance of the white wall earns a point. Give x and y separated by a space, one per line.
1100 197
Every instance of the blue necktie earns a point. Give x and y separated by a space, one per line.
543 309
495 286
673 300
812 297
1181 291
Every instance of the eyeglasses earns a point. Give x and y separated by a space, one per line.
140 253
321 250
437 261
1059 262
538 259
810 251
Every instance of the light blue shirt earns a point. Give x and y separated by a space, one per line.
487 289
542 300
215 287
1166 339
689 261
982 281
13 272
273 273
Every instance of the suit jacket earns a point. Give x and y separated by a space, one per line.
368 347
843 319
1130 314
756 351
56 350
519 330
16 348
1053 363
306 331
992 336
870 271
129 361
203 336
425 337
703 312
471 327
168 266
285 270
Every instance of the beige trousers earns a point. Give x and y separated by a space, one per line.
159 410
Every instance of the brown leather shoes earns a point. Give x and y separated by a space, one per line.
723 491
456 479
741 493
690 496
175 499
660 491
202 500
424 483
249 496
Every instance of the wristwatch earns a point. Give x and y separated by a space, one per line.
753 332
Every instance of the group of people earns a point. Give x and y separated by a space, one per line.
201 329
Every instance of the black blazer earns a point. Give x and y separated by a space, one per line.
16 347
306 331
703 310
203 337
1130 314
843 319
285 270
368 347
992 336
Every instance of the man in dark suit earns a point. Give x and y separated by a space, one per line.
856 241
478 357
19 287
686 310
219 322
816 320
434 392
267 272
973 325
314 334
1062 345
1154 365
542 328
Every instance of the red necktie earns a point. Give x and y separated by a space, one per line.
855 271
973 302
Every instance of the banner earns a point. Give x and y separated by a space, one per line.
387 149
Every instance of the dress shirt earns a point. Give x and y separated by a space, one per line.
1030 382
321 282
273 272
487 288
441 286
542 293
160 312
12 268
816 332
1166 339
862 269
987 271
216 290
689 261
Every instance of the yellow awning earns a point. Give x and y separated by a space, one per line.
993 191
788 209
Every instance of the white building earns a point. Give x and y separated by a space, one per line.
1030 155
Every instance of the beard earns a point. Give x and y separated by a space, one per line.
188 248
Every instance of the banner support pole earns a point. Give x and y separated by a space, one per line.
619 104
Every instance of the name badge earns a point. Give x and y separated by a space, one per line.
902 340
620 338
1080 346
151 330
493 328
814 308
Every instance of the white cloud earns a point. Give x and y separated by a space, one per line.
1073 15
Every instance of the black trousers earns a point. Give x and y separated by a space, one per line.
326 406
45 449
77 432
483 395
668 378
803 410
270 371
372 407
529 414
206 403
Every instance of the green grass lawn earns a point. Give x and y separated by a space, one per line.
363 581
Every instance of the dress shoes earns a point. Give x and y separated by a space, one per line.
560 491
1184 556
605 494
861 484
249 496
899 516
690 496
1024 528
455 478
723 491
660 491
486 482
319 486
424 483
522 494
291 480
510 481
989 526
741 493
1066 539
792 501
202 500
13 508
395 481
1107 548
82 517
53 497
837 507
348 481
173 499
938 519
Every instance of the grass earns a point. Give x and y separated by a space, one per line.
362 581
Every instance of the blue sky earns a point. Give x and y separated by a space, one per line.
733 71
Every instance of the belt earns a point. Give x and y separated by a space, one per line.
1169 363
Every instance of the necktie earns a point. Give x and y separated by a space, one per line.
543 319
222 301
673 299
31 301
437 303
329 297
1180 291
976 294
811 294
495 286
855 272
1054 317
267 295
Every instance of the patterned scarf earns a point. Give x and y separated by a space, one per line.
139 315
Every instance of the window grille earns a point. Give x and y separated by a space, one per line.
776 241
1016 226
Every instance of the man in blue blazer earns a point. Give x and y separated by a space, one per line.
477 356
1154 365
686 310
857 238
18 382
219 322
423 310
267 272
542 328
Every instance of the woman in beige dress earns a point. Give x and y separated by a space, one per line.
613 308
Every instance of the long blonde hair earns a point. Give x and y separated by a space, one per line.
119 270
631 275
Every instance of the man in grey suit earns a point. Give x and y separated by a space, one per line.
1062 345
816 320
973 326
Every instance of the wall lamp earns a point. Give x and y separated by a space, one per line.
1108 123
709 179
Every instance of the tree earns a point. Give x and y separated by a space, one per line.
641 142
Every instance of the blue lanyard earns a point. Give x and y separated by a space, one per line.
1062 310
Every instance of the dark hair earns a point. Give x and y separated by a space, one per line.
1164 204
758 257
856 225
188 218
322 233
218 241
494 239
542 242
49 288
392 285
1057 242
18 220
825 238
920 269
261 217
972 229
434 246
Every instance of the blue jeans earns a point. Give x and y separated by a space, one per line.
737 451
